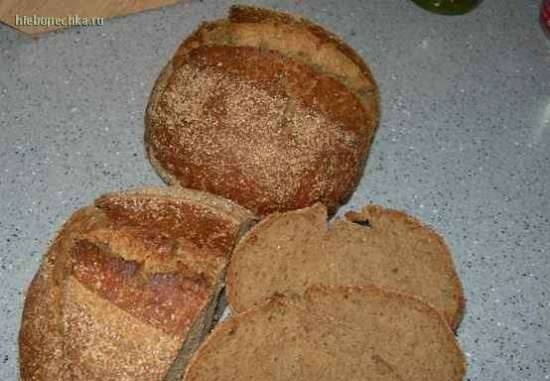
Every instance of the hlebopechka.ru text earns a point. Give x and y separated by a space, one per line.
46 21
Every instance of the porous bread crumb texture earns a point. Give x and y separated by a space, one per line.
346 334
289 252
123 285
273 126
248 140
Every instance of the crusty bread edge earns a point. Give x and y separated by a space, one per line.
271 16
156 93
264 14
456 318
44 278
282 300
319 31
197 333
40 283
231 210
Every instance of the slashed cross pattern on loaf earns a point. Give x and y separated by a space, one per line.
289 252
271 125
341 334
129 287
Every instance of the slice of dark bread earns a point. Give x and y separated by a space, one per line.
292 251
129 287
272 124
343 334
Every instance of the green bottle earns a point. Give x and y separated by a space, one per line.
448 7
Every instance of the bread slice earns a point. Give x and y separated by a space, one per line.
347 334
129 286
289 252
263 125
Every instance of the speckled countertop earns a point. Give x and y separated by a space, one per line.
463 144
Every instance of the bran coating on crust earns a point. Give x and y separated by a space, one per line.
254 149
122 276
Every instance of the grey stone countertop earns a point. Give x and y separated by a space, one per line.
463 144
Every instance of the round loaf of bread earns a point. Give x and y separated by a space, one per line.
266 109
129 287
343 334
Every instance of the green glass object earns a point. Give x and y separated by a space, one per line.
448 7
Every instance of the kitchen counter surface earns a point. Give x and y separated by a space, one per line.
463 144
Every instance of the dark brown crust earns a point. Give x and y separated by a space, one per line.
219 173
225 33
172 219
225 177
39 341
40 336
242 13
158 89
249 14
281 76
168 301
313 293
163 283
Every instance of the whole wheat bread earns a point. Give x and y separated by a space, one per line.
292 36
289 252
128 288
345 334
269 121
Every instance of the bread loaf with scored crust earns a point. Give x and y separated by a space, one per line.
128 288
342 334
289 252
272 122
295 37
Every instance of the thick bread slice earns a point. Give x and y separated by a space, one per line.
347 334
128 288
292 251
257 127
266 109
